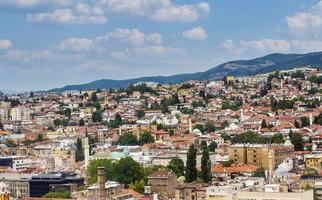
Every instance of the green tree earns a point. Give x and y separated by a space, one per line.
227 163
127 171
264 124
140 113
79 150
297 141
203 144
94 97
212 146
249 137
39 137
205 166
191 169
10 143
260 172
137 186
210 127
91 170
305 121
128 139
177 166
60 194
97 116
82 122
68 112
146 138
97 105
58 122
277 139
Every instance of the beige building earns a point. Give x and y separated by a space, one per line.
258 154
313 160
303 195
163 183
18 184
191 191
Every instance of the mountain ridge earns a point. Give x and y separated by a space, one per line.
265 64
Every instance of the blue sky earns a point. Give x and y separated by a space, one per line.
52 43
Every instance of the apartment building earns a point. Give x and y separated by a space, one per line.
259 154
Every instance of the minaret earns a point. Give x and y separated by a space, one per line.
101 183
241 115
190 126
270 164
281 83
311 119
86 152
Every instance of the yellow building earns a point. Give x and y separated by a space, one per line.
4 193
313 160
258 154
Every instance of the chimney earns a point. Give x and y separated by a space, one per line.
101 183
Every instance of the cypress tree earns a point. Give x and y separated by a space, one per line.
205 166
191 169
79 150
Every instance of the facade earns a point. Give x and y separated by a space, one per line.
40 184
20 113
190 191
313 160
163 183
304 195
17 184
258 154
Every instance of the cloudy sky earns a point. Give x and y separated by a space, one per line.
52 43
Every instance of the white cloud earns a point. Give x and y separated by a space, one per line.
77 44
148 51
181 13
98 65
267 45
5 44
307 45
29 56
272 46
81 14
232 48
131 36
31 3
196 33
310 21
160 10
136 7
43 55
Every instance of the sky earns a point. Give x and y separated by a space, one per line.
46 44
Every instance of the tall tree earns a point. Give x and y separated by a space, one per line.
127 171
264 124
146 138
97 116
68 112
94 97
297 141
91 170
128 139
205 166
79 150
212 146
177 166
277 139
191 169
